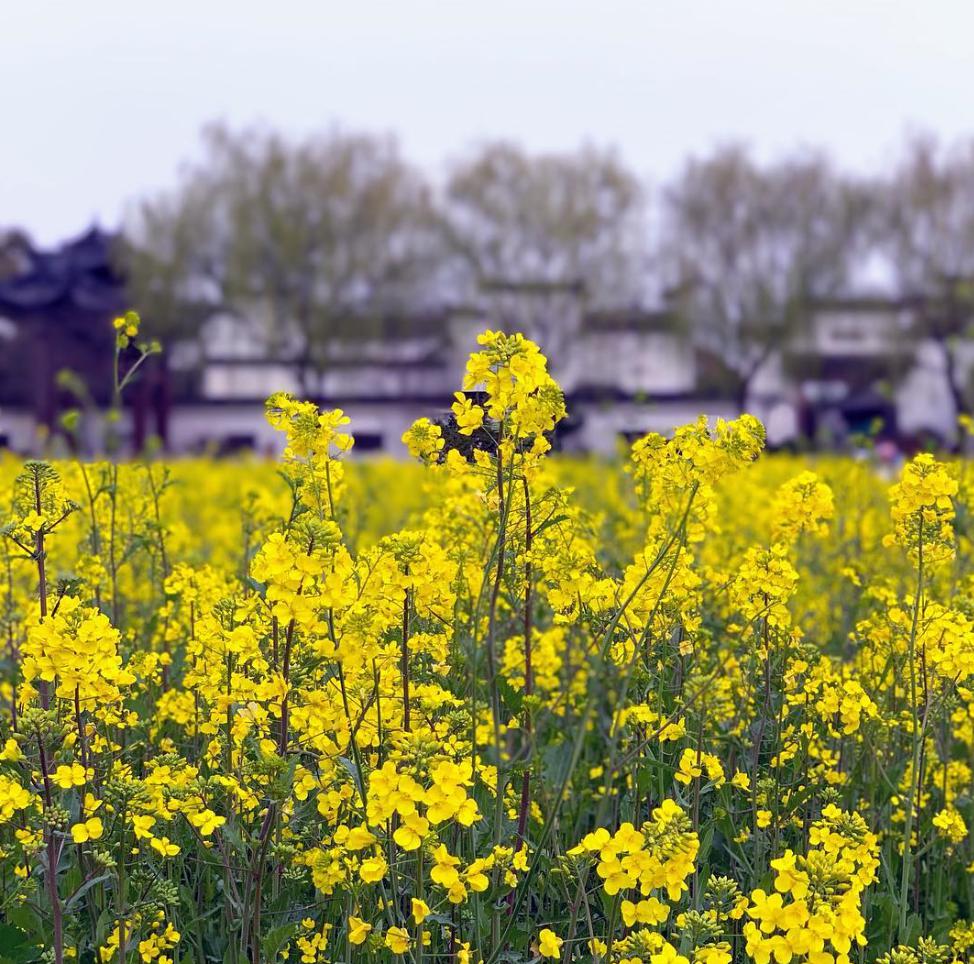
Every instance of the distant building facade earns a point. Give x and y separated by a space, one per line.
624 373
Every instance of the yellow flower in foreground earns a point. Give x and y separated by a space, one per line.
424 439
91 829
206 821
741 780
469 416
410 834
13 797
164 846
67 777
372 870
950 825
549 943
142 825
397 940
358 930
420 910
359 838
649 911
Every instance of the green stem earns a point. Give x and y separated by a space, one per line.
907 864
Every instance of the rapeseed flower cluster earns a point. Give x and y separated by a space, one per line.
500 705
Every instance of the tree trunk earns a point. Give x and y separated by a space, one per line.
741 392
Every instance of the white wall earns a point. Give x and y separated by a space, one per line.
651 363
923 398
194 427
865 332
604 426
19 429
244 380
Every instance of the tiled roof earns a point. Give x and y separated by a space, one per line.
79 275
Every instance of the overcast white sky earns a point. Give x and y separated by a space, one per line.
102 100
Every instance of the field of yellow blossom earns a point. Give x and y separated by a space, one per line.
696 706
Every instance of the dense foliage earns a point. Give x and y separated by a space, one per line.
499 706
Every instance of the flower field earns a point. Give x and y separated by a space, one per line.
698 705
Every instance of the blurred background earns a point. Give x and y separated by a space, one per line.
708 207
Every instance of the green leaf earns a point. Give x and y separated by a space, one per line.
276 940
232 835
72 901
353 772
705 842
914 928
27 920
548 523
11 937
16 946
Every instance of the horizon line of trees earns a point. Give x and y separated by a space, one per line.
316 236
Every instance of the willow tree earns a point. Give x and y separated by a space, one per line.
314 240
927 229
747 248
539 237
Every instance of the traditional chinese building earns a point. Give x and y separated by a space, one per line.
56 311
624 373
